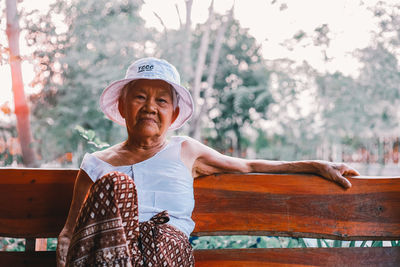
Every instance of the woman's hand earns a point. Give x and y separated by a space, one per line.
82 185
335 172
62 248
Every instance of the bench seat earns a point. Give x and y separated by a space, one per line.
34 204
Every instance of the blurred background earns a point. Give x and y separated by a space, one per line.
276 79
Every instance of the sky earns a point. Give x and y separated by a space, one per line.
271 24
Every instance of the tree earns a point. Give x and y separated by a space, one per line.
21 106
364 109
100 41
240 87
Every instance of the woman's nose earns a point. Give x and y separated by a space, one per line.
150 105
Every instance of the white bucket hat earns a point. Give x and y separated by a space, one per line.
152 69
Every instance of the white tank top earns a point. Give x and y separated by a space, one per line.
163 182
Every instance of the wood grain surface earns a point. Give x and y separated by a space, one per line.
297 205
35 203
385 257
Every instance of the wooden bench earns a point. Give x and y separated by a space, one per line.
34 204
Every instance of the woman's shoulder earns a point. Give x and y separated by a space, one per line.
186 141
192 148
182 138
179 138
108 154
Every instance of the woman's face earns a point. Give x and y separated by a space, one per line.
147 108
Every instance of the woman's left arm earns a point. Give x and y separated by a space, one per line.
329 170
208 161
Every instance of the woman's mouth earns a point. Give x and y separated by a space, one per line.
147 120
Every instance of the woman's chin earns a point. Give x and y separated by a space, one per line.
147 129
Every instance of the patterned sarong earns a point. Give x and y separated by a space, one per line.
108 233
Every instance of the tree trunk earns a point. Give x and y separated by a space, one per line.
187 43
201 61
21 106
212 70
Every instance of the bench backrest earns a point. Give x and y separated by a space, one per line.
34 204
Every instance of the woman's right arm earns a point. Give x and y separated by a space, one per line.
81 188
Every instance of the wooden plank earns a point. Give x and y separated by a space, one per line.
297 205
386 256
28 259
389 256
30 244
34 202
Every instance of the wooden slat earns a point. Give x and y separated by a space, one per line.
249 257
297 205
299 257
34 202
30 244
28 259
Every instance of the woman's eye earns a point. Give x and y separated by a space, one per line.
141 97
162 100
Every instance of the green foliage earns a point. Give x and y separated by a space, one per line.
91 138
395 243
377 244
369 100
7 158
9 147
241 89
219 242
51 244
12 244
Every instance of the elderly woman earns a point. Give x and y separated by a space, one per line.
132 203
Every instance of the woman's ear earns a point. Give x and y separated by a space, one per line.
121 108
175 115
